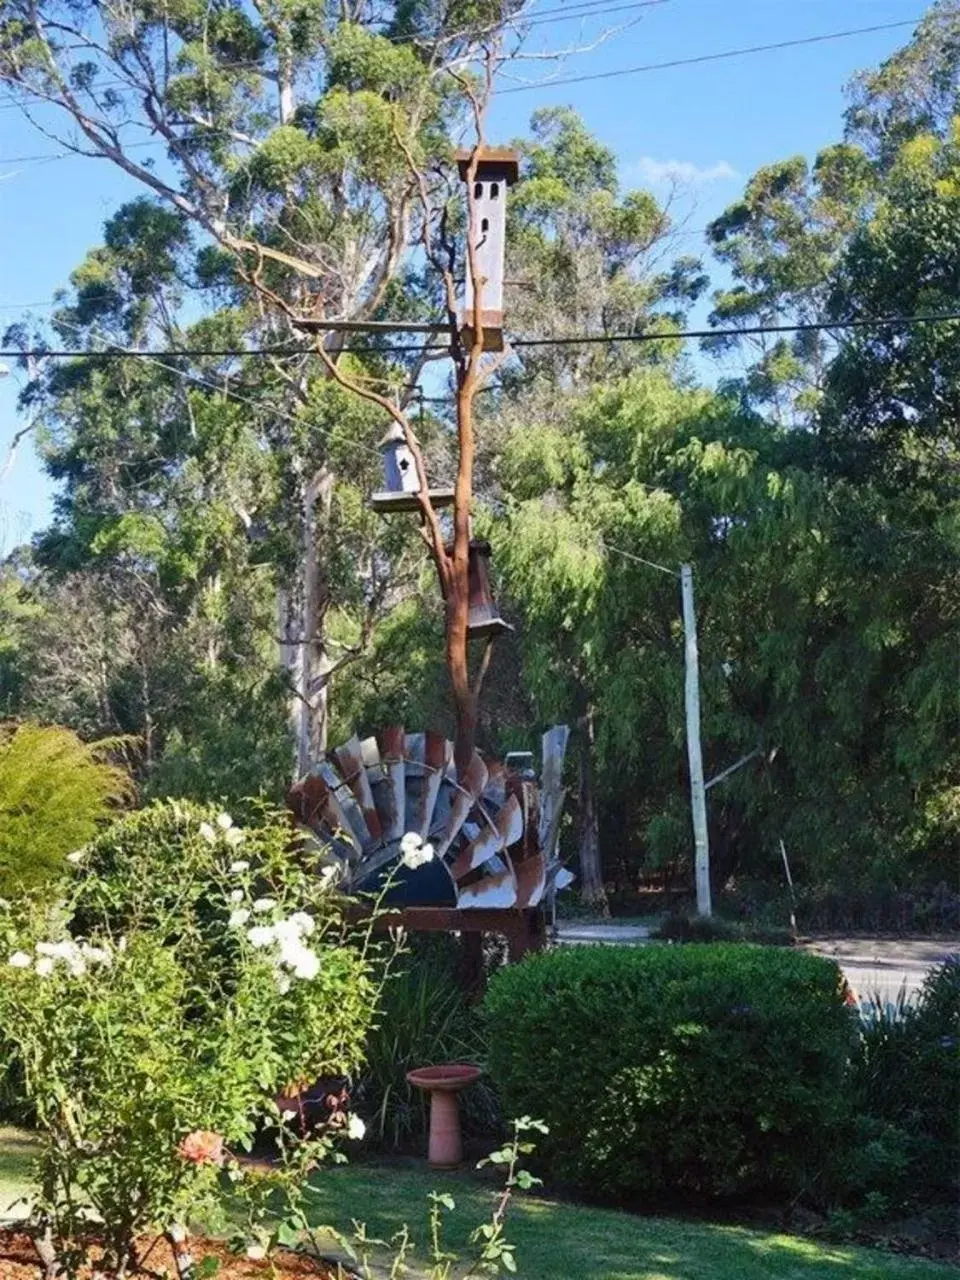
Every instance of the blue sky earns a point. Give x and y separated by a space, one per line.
708 126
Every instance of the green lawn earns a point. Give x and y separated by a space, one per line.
570 1242
560 1241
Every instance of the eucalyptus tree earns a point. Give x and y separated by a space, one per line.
302 143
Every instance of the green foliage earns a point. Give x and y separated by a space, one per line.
193 971
702 1071
906 1082
423 1018
55 791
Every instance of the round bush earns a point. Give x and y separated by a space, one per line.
713 1070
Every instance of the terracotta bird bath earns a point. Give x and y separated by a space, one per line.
443 1084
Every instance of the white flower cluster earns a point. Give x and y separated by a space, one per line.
77 956
413 852
228 832
285 937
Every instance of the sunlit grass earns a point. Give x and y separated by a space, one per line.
573 1242
557 1241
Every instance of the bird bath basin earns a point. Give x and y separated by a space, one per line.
443 1084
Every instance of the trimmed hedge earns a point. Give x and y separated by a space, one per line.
709 1070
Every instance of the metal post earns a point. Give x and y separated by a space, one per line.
698 798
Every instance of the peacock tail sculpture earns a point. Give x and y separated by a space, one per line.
494 832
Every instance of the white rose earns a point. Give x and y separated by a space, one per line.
95 955
224 821
412 840
414 858
263 905
304 923
256 1252
77 856
233 837
208 833
288 1116
262 935
329 873
239 867
307 965
237 895
283 983
238 919
355 1127
20 960
44 966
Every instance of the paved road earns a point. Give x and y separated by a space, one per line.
872 966
885 966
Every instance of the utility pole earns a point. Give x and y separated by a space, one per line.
698 795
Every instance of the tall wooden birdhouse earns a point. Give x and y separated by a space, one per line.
401 484
497 168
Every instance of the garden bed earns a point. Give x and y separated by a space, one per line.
18 1261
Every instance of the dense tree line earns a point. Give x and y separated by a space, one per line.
213 570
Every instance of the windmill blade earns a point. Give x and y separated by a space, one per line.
349 759
392 798
462 802
531 880
346 800
489 891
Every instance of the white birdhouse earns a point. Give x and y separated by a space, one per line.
401 485
497 169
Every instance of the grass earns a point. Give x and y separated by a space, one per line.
559 1241
573 1242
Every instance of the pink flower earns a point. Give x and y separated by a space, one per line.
202 1147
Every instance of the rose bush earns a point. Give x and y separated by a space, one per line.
191 972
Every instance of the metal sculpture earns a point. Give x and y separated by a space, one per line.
493 833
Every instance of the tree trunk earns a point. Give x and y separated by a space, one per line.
308 665
591 870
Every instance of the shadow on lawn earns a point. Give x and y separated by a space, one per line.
575 1242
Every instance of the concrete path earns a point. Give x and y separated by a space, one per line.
579 934
872 966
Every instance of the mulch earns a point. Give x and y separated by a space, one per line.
18 1261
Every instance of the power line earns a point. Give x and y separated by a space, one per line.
560 13
709 57
236 353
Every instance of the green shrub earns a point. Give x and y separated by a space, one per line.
713 1070
54 792
906 1096
423 1019
191 972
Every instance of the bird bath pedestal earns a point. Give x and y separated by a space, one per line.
443 1084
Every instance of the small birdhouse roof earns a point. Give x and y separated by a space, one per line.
393 435
492 163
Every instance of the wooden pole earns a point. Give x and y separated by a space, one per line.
698 795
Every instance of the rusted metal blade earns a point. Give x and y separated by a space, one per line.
462 800
345 799
391 800
531 880
318 807
349 759
482 847
489 891
495 792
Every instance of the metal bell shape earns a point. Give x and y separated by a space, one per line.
484 619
